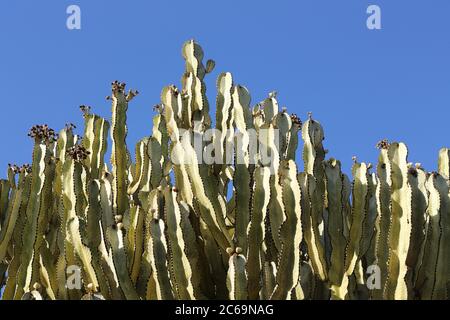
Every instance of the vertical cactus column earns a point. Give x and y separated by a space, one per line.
194 89
24 184
290 233
120 156
74 206
400 230
417 178
433 275
38 204
256 231
313 156
383 220
336 226
358 216
95 141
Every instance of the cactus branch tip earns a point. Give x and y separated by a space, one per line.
42 133
70 126
296 120
78 153
383 144
85 109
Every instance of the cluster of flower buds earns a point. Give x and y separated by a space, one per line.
258 110
231 251
117 86
70 126
272 95
26 168
158 108
184 94
14 168
43 133
78 152
412 171
131 94
304 255
85 110
118 223
383 144
91 288
174 90
296 120
412 168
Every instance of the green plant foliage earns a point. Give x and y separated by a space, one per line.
171 225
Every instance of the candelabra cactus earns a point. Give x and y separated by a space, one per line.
248 225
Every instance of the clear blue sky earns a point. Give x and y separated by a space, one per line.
362 85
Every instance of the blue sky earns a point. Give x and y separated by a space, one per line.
362 85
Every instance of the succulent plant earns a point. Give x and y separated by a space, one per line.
168 225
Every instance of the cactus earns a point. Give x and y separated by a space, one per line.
170 225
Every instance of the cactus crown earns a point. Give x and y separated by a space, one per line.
296 120
78 153
383 144
43 133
